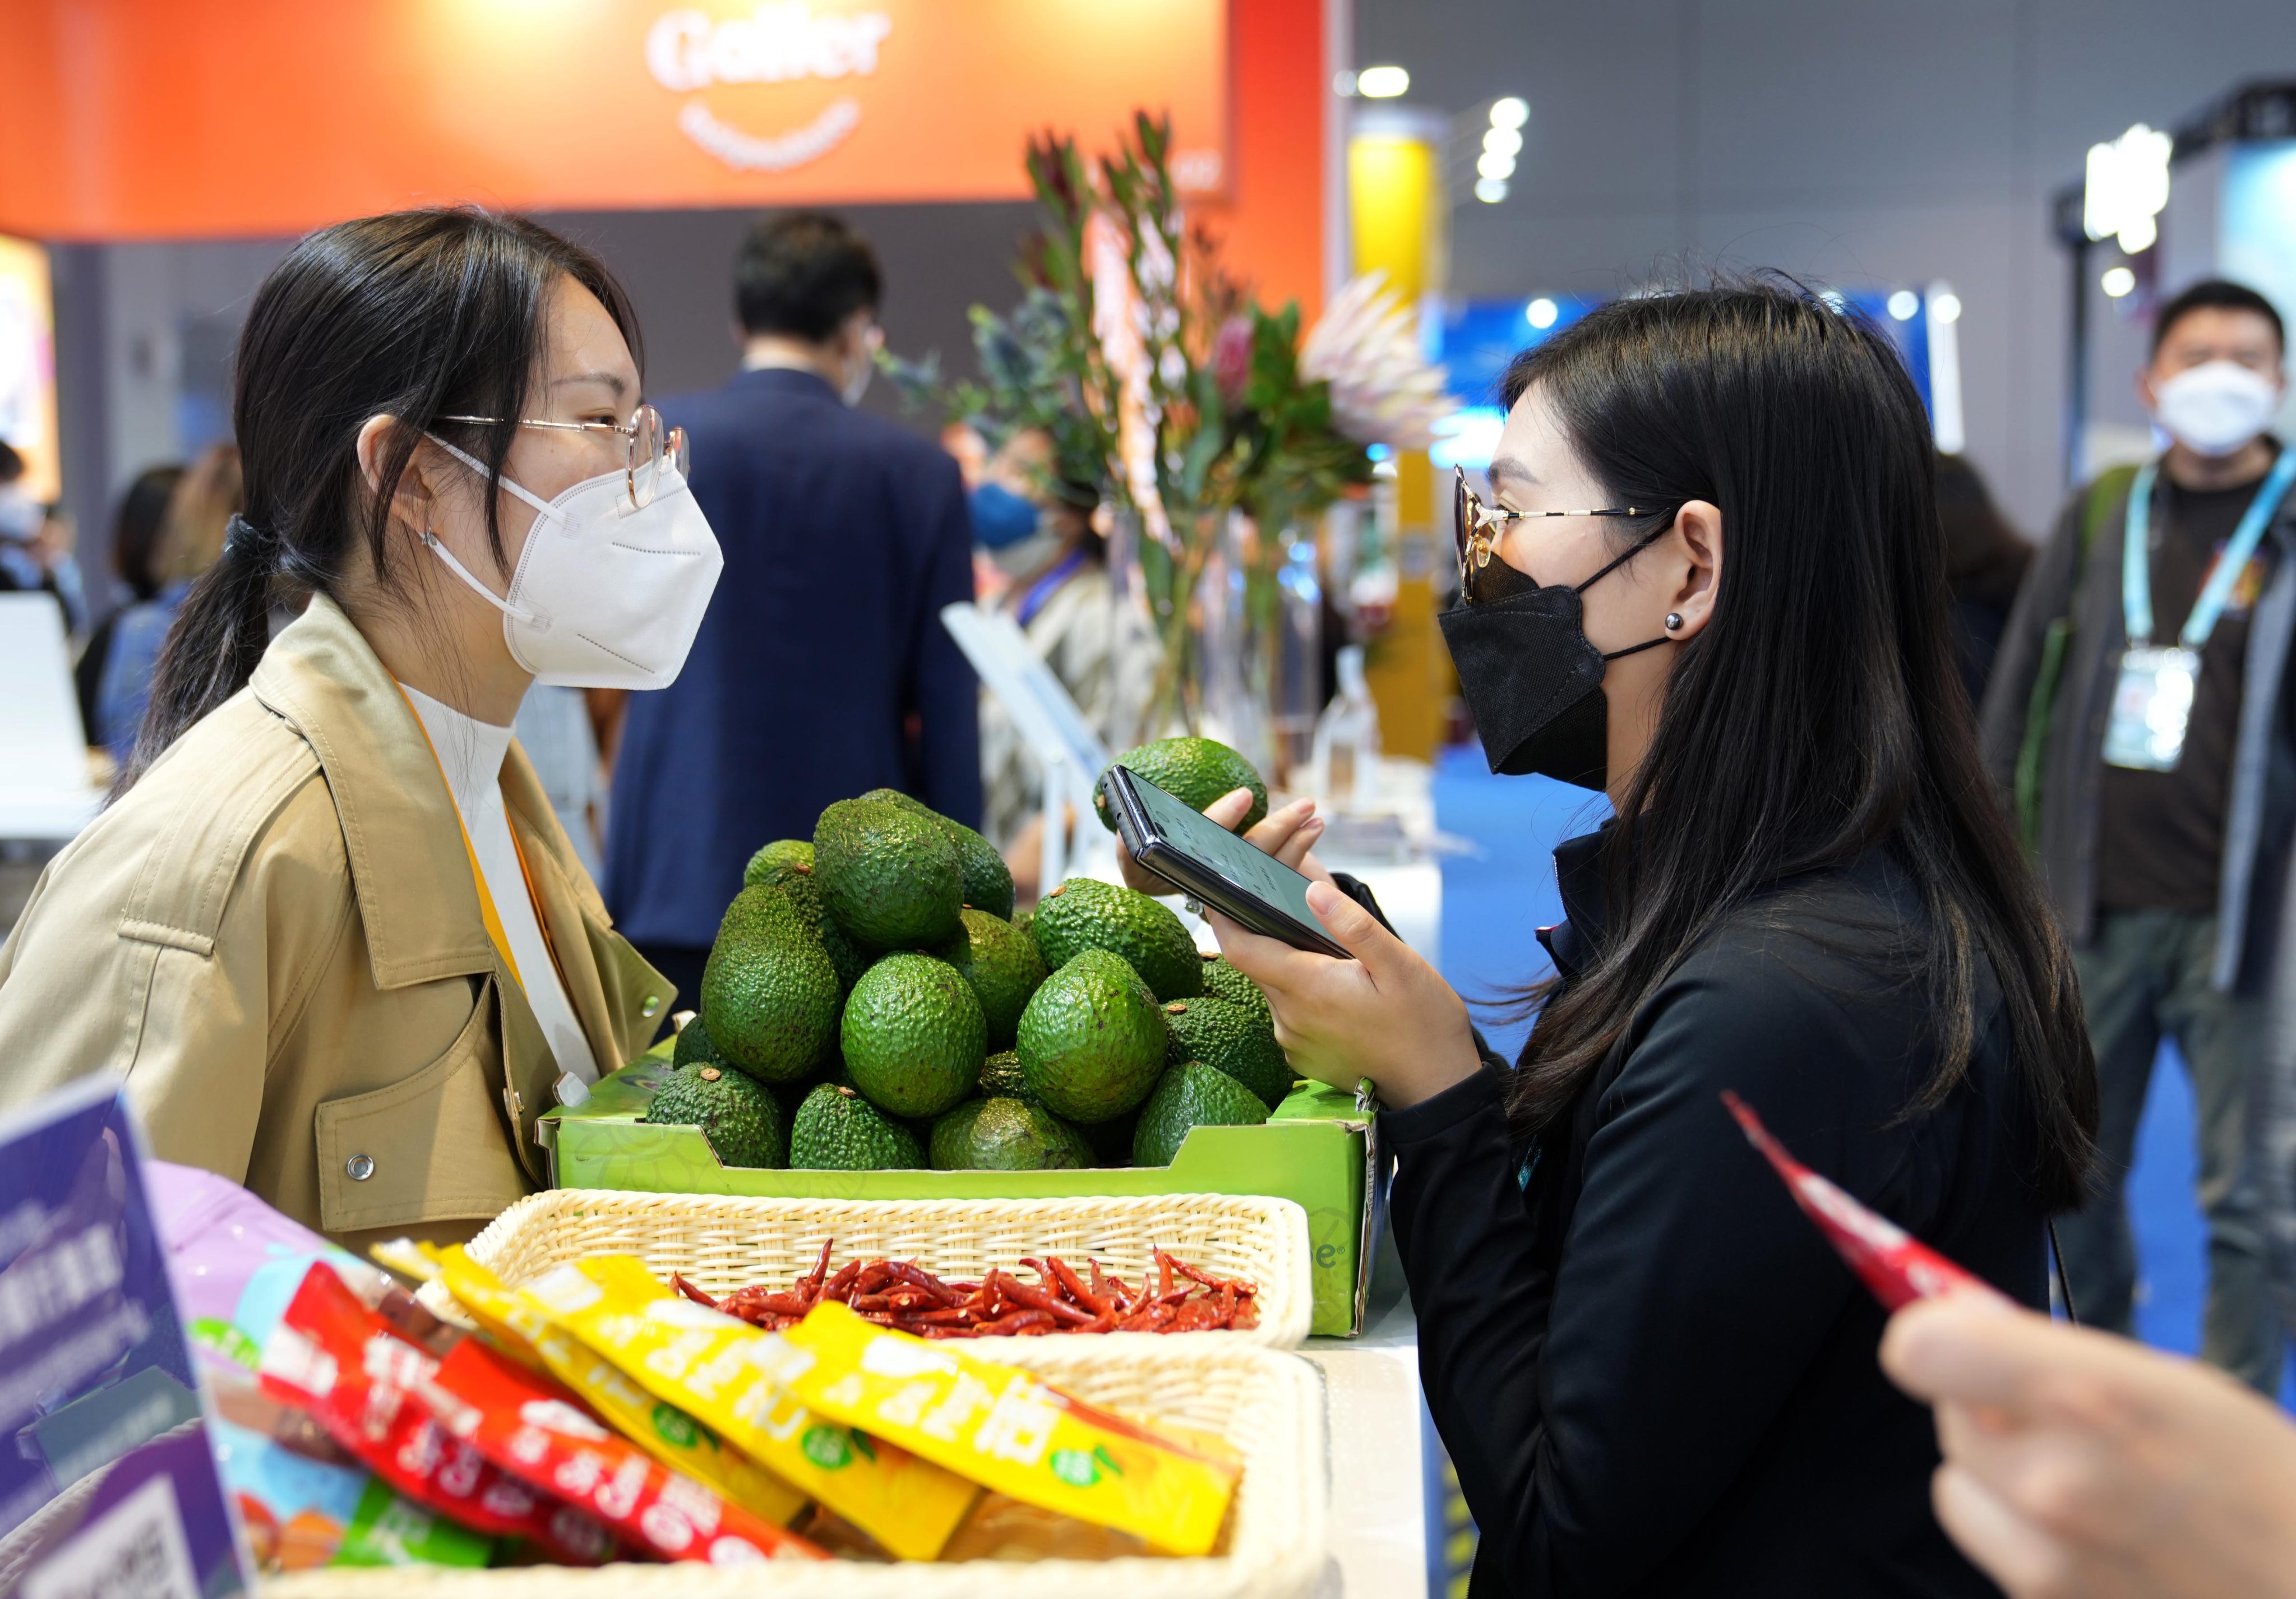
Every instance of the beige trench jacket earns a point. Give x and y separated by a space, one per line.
275 938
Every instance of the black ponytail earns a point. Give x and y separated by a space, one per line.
414 315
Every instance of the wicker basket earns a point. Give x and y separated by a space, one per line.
720 1243
1268 1406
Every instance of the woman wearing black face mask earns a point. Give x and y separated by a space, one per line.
1712 584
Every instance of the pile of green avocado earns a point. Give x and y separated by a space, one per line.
871 1003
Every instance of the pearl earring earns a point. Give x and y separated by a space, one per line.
1673 621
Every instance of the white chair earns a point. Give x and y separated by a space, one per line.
45 796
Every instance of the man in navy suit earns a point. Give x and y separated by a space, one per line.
822 670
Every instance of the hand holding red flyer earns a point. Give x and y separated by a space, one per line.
1899 1267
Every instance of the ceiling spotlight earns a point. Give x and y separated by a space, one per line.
2126 186
1490 190
1513 111
1501 141
1382 83
1946 307
2117 281
1904 304
1540 313
1495 165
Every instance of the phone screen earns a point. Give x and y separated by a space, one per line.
1247 866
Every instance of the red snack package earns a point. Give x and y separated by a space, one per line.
340 1361
537 1431
1899 1267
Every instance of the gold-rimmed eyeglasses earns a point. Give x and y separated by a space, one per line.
1475 527
650 445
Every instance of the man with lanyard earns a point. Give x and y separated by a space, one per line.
2136 717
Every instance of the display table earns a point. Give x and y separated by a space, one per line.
1380 1462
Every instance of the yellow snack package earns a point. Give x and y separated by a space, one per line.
516 1324
1002 1426
716 1367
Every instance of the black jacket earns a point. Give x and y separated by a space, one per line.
1653 1375
822 670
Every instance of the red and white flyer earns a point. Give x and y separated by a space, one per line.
1899 1267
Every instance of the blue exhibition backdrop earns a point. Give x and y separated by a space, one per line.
1478 338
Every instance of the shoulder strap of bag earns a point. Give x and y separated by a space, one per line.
2106 493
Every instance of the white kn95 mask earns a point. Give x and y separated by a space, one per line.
2214 408
606 593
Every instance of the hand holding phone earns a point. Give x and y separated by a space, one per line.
1202 859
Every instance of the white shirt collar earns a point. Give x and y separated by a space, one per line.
469 751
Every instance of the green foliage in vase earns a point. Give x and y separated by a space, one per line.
1166 391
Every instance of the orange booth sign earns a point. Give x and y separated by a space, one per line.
149 118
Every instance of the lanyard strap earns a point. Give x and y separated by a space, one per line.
2136 565
1043 588
488 915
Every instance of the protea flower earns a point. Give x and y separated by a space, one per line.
1232 358
1115 323
1384 389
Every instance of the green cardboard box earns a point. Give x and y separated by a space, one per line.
1320 1149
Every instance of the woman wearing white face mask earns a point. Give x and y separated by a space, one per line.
2135 711
330 930
1037 531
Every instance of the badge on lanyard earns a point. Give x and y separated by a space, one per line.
2151 703
2152 695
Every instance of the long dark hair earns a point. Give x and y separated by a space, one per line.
1820 713
411 315
136 531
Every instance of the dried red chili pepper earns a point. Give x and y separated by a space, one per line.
1036 1299
811 1283
900 1294
1089 1297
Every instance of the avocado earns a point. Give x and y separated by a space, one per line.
769 991
1001 1074
1006 1135
1191 1094
1092 1041
949 1145
740 1117
793 1094
1227 1037
777 863
1086 914
907 802
835 1129
1194 771
1117 967
913 1035
1224 981
889 875
1002 1077
802 889
694 1045
1002 965
988 880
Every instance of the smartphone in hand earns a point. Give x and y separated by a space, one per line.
1211 865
